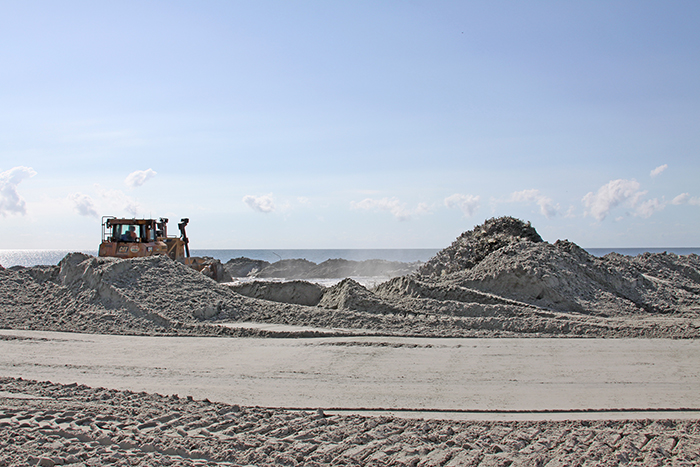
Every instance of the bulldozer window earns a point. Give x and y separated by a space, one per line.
128 233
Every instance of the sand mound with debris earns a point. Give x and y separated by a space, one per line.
329 269
507 258
107 295
504 269
137 286
349 295
343 268
470 248
287 268
298 292
243 267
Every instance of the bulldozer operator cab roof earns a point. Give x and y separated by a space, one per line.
132 230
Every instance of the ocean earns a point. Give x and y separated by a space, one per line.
9 258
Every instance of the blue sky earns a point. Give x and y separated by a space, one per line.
396 124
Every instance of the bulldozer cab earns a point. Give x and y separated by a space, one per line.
130 238
130 230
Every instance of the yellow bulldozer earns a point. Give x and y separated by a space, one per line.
135 238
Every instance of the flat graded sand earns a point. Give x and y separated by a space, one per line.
373 372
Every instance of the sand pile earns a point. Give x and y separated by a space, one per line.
502 276
298 292
107 295
329 269
243 267
470 248
349 295
343 268
507 258
42 423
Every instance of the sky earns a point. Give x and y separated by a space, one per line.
363 124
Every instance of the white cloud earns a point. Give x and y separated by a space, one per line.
84 205
139 177
468 204
422 208
10 201
118 201
684 198
658 170
611 195
263 203
392 205
681 199
547 207
649 207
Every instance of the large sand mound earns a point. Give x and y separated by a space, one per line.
507 258
107 295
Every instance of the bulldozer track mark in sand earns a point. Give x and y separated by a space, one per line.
55 424
490 411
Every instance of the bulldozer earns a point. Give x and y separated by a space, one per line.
136 238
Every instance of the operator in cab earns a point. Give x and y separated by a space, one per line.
129 235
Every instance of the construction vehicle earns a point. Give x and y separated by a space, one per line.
135 238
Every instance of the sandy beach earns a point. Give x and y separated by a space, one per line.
501 350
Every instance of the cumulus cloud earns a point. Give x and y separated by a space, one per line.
681 199
139 177
468 204
684 198
422 208
84 205
264 203
546 204
118 201
619 192
10 200
658 170
610 196
649 207
391 205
